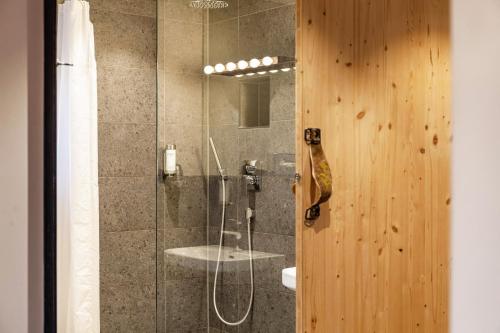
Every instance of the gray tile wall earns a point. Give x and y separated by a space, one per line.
130 244
246 29
125 41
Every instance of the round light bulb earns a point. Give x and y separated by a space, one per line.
254 63
267 61
287 69
230 66
208 69
250 74
273 71
242 64
239 75
219 68
262 73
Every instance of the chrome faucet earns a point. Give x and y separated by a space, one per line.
233 233
237 235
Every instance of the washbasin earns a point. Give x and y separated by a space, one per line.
210 253
200 256
289 278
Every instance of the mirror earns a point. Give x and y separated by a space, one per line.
255 102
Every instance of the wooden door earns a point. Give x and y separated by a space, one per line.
374 75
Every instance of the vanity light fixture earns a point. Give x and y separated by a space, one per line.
219 68
208 69
267 61
251 67
242 64
254 63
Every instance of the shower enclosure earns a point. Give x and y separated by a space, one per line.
247 108
172 231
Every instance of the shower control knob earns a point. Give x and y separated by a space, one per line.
250 167
253 182
250 174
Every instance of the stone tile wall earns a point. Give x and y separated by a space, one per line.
131 133
125 41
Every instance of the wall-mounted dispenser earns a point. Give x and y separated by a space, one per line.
170 161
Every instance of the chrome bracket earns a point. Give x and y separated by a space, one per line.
297 177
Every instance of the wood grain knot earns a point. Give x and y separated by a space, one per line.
361 115
314 321
435 140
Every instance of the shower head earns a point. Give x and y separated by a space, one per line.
219 167
209 4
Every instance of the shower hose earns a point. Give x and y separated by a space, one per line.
248 217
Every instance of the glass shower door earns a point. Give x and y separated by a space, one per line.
250 118
182 195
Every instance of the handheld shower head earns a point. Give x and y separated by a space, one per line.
208 4
219 167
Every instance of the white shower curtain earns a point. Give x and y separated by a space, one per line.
77 177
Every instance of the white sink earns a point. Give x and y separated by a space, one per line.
289 278
210 253
200 256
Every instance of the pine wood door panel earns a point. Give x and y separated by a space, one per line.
374 76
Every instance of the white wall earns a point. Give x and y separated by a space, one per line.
35 169
476 167
15 196
14 166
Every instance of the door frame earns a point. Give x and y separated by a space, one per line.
299 127
50 167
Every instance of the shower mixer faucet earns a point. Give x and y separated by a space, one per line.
253 181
